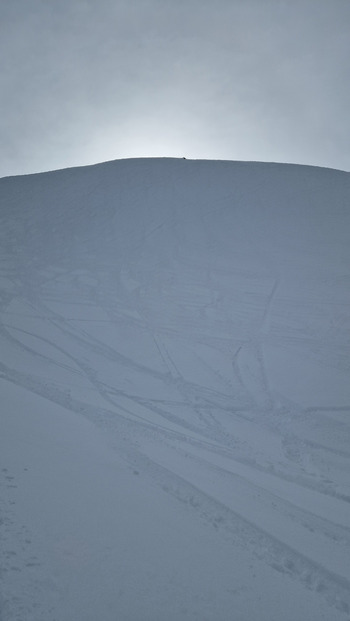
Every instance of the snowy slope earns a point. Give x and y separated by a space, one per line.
175 394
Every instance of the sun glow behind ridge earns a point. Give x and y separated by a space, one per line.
141 140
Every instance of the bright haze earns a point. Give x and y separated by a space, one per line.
88 81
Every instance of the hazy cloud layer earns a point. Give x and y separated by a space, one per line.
87 81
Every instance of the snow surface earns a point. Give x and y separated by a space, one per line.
175 394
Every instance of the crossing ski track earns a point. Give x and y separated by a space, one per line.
174 371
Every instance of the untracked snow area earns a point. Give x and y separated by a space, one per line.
175 393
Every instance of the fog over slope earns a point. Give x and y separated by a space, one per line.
175 394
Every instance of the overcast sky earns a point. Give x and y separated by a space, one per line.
84 81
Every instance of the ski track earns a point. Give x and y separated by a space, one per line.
186 441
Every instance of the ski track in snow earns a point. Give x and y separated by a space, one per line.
175 355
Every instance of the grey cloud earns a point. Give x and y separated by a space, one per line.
230 79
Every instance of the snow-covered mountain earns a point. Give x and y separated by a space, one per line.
175 394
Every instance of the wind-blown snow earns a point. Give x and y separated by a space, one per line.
175 394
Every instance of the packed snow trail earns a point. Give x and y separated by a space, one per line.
174 377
